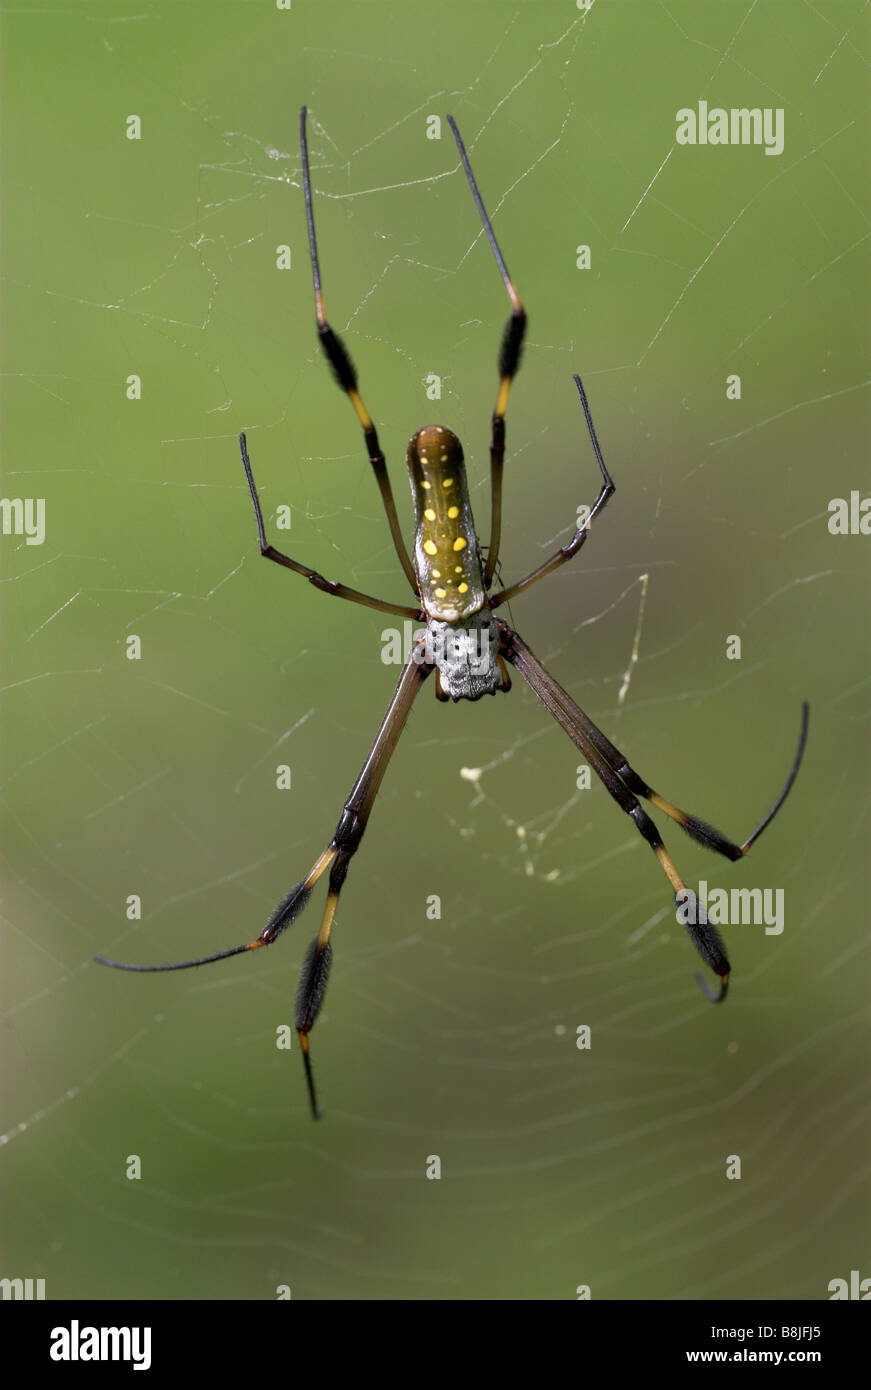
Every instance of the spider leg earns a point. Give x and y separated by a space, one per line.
625 786
607 491
327 586
509 361
336 858
344 845
345 372
694 826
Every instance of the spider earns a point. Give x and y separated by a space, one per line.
464 644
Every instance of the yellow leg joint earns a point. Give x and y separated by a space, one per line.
669 870
320 864
327 920
362 413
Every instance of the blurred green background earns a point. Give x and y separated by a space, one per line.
453 1037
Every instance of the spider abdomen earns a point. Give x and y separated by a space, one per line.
447 557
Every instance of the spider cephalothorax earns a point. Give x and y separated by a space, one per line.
462 642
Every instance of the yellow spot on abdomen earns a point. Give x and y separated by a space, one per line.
460 544
462 588
441 593
430 547
429 514
453 511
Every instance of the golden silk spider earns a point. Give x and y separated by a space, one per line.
464 644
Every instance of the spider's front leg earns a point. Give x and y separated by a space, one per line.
625 786
316 966
337 858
